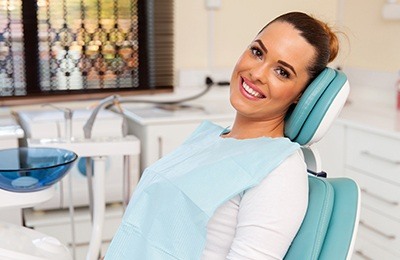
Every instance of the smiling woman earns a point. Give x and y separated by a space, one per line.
274 71
269 77
238 193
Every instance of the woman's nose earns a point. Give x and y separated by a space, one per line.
259 73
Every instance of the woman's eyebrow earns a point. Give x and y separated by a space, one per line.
261 45
287 65
279 61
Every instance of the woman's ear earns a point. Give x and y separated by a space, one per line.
297 98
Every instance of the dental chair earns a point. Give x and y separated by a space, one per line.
329 228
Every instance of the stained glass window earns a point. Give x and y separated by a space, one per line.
12 77
58 47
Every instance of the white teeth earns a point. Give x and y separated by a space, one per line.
251 91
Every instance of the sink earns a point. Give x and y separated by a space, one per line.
29 169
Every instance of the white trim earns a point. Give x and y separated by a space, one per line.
356 223
333 111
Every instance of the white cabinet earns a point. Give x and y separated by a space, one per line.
160 132
366 250
159 139
372 158
57 223
331 149
373 161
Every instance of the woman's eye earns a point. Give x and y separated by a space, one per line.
283 73
256 52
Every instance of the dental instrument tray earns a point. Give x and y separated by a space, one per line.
28 169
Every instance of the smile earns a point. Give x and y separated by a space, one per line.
251 91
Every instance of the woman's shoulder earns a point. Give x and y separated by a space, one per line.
291 173
289 180
296 158
293 166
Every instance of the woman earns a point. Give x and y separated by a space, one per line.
239 193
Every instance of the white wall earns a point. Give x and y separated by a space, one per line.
372 43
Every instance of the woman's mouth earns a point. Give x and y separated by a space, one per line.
251 91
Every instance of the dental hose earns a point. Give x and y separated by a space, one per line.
68 136
72 218
209 83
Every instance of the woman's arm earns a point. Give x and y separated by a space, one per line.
271 213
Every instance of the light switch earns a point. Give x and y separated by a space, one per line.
391 11
213 4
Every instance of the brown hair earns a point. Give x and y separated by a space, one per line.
318 34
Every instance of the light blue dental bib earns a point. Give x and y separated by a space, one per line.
175 198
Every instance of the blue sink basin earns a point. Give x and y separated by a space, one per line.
29 169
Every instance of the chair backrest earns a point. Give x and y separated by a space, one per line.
343 225
330 225
329 228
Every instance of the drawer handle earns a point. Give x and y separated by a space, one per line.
389 237
361 254
160 147
376 156
390 202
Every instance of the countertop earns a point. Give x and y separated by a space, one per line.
214 105
369 108
372 110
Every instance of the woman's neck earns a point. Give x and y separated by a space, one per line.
244 128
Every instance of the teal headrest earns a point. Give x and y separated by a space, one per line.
308 116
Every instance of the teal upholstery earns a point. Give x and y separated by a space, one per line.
320 109
328 229
303 121
344 220
296 119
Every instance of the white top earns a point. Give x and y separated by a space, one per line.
261 223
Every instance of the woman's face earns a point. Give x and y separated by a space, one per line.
271 74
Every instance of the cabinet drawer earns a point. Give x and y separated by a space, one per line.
57 223
374 154
378 194
365 250
383 231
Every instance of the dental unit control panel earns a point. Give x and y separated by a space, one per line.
49 124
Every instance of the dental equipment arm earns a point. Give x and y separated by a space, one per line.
87 131
68 113
96 188
87 128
